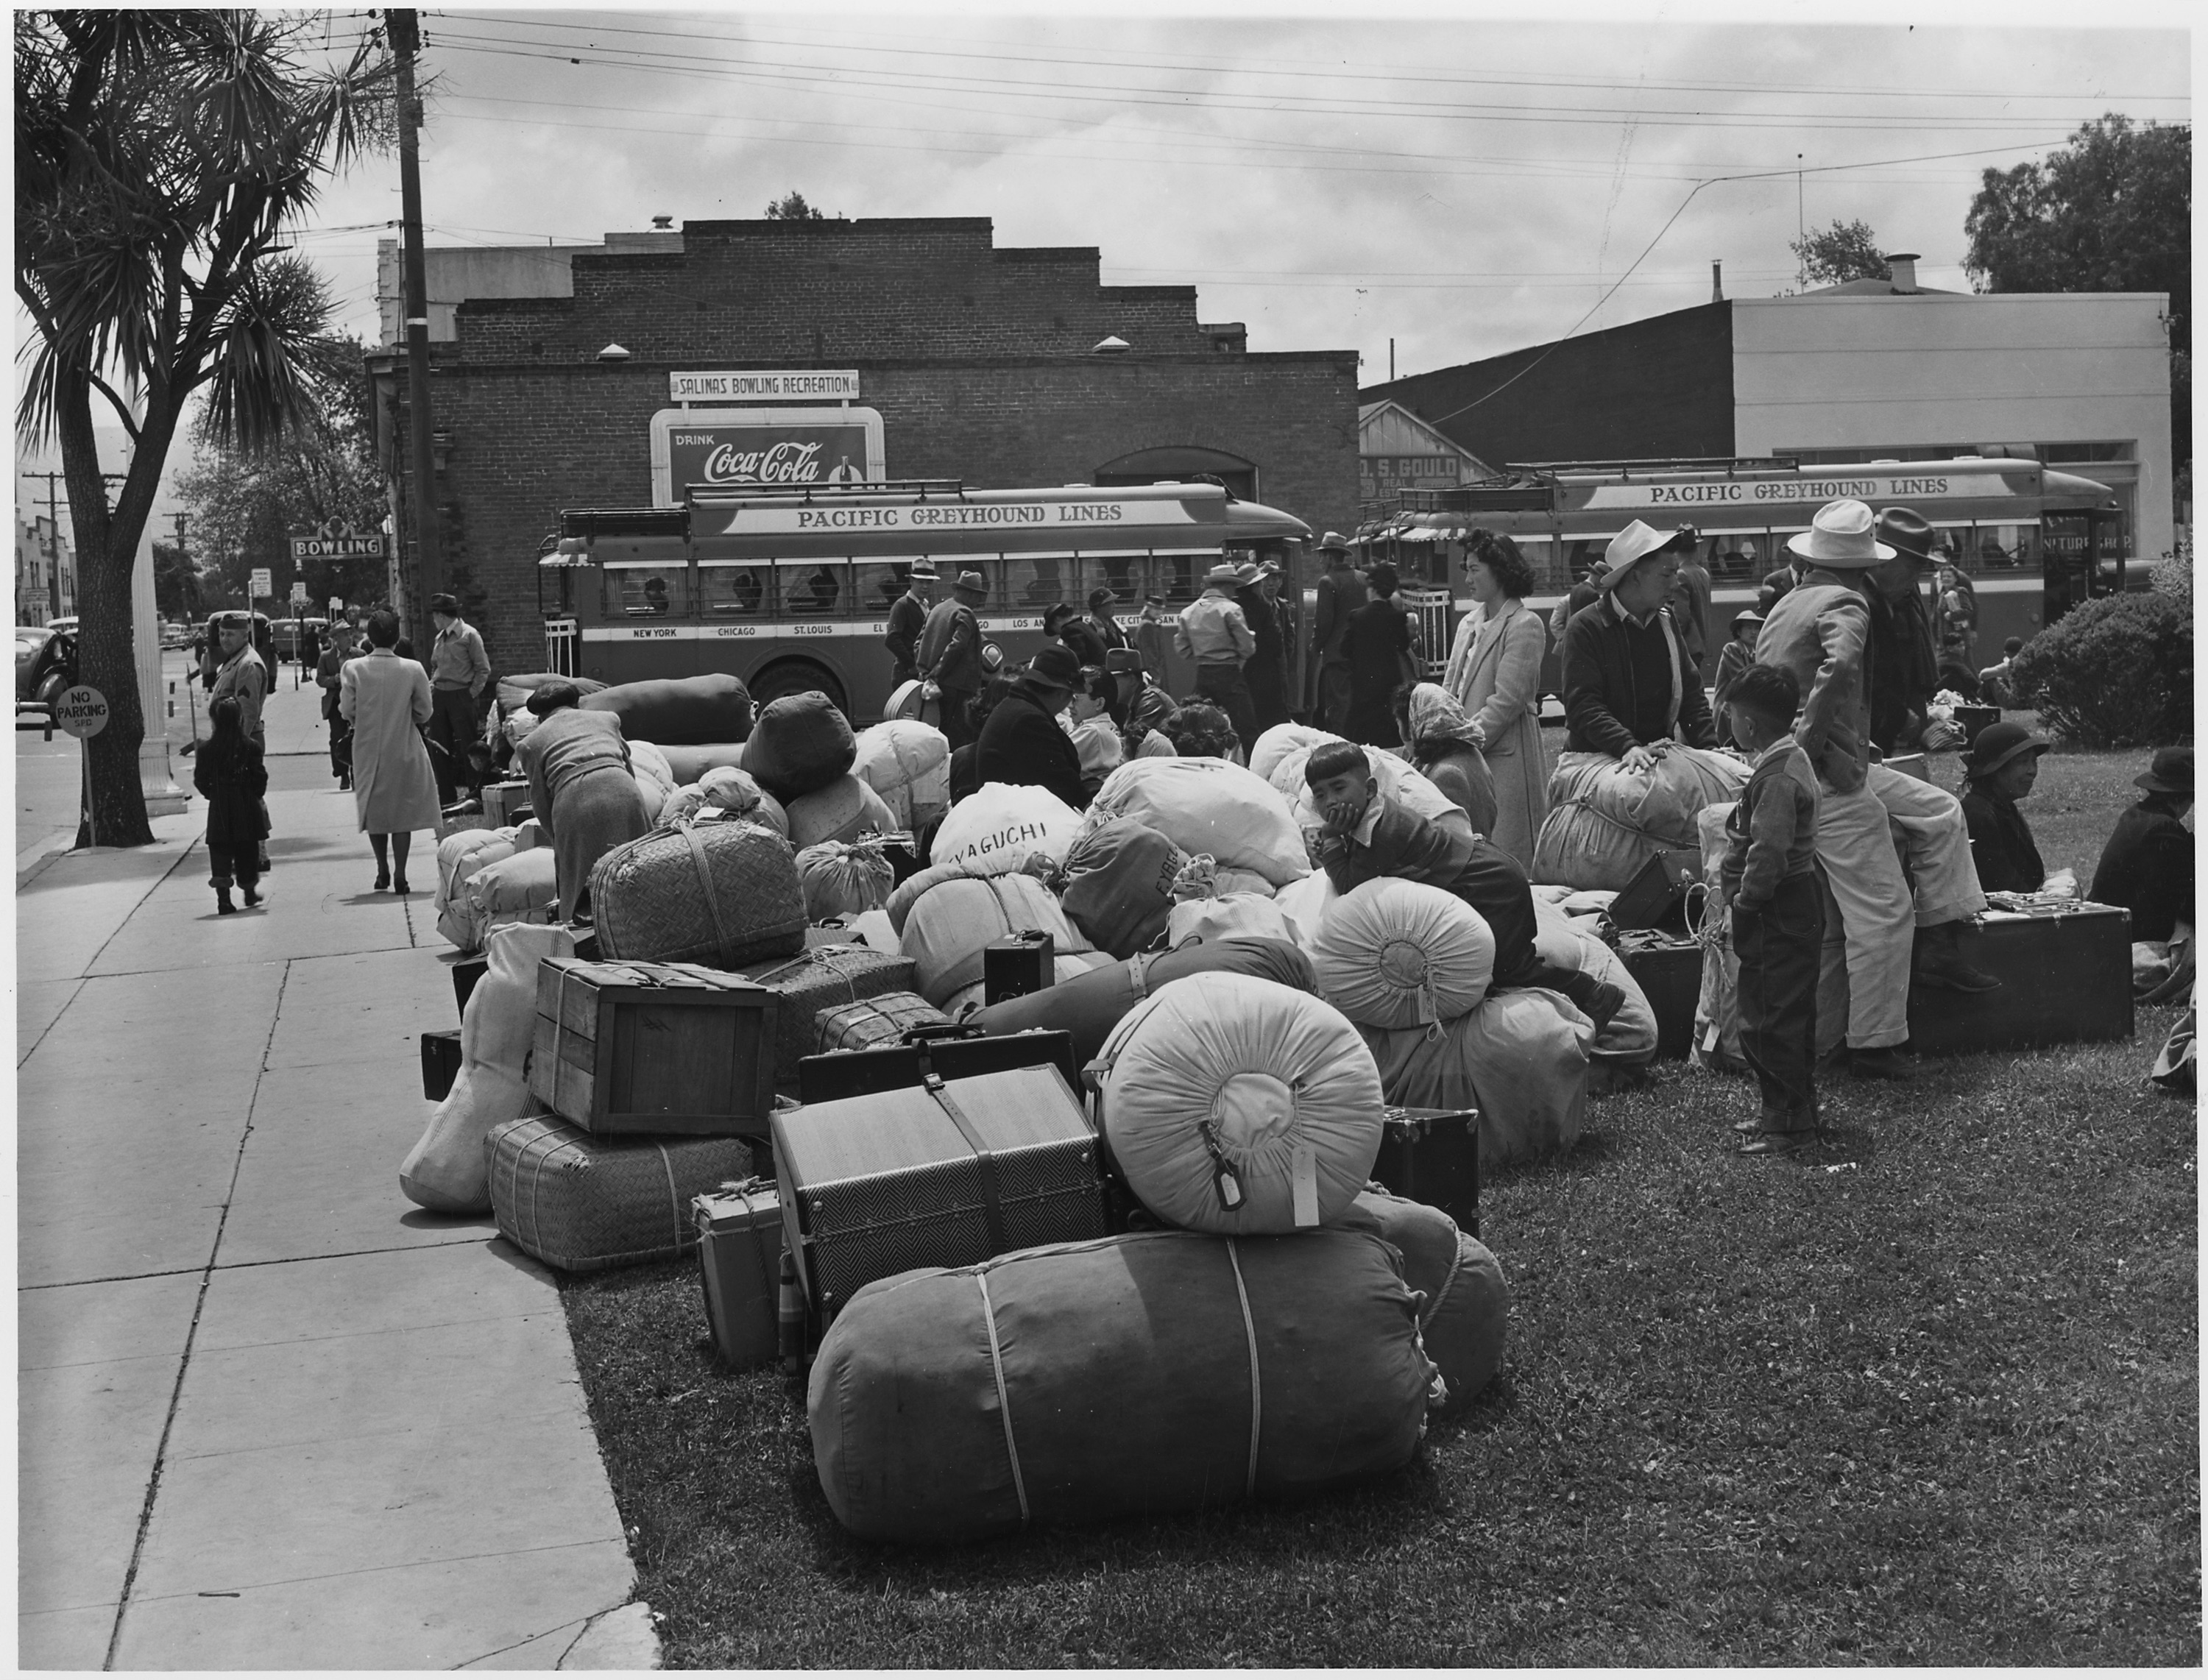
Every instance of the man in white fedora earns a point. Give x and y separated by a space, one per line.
1629 688
1819 631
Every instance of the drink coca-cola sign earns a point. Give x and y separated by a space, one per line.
730 449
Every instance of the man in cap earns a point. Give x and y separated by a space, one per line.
1213 634
907 618
1629 690
1820 631
459 670
242 676
1101 600
1341 592
950 656
1256 594
1021 742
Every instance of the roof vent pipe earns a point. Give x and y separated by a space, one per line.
1717 281
1904 265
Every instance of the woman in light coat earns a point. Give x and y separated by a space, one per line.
1495 673
387 700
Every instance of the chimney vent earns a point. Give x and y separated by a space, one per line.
662 223
1904 265
1717 281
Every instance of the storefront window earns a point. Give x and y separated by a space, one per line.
735 591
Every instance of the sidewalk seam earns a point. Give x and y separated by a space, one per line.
152 887
242 1265
23 1055
191 1336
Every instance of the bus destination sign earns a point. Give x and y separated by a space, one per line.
926 517
1877 488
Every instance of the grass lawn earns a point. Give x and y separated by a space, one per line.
1930 1397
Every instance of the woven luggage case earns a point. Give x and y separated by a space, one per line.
583 1203
872 1021
721 893
816 981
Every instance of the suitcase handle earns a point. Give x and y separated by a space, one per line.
939 1029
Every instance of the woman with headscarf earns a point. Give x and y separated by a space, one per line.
1495 674
1445 749
385 699
581 788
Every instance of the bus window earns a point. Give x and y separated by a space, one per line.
1956 540
637 591
1180 578
1539 553
1744 556
1583 553
814 587
1027 583
876 583
735 591
2003 547
1127 576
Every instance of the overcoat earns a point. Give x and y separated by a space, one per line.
387 700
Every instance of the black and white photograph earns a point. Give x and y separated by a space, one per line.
1015 837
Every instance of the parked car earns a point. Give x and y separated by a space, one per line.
291 634
45 663
67 623
175 635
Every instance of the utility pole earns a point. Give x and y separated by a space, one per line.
1801 230
406 35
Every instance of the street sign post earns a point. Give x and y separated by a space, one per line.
81 712
260 584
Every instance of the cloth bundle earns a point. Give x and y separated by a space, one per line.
677 711
801 743
458 856
909 763
951 923
1119 885
841 880
1002 823
525 887
1465 1310
843 810
1395 953
1605 821
1521 1059
1208 805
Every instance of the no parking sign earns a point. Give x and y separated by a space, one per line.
80 711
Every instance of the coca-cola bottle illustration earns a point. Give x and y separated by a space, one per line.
844 472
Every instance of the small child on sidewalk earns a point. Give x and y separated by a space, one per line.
231 777
1770 878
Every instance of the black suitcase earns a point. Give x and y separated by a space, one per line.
466 971
951 1051
1017 967
1657 890
1669 974
441 1063
1432 1155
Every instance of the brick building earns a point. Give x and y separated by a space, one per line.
984 364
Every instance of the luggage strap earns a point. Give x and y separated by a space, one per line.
1003 1399
993 1208
1256 1391
721 941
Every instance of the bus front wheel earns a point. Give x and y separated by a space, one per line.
786 677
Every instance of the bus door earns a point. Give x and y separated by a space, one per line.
2068 557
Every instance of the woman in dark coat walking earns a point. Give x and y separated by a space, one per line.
233 778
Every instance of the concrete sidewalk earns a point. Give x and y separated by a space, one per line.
270 1415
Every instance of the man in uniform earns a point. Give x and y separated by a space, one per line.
459 670
1213 632
950 658
1341 592
907 618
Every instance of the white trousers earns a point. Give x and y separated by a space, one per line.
1855 846
1937 843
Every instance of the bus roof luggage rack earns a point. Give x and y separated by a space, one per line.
922 488
621 521
1671 463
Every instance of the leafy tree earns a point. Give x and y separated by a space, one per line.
2112 211
176 583
161 157
792 207
1843 252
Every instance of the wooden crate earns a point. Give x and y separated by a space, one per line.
654 1047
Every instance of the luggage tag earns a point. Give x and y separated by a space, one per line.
1225 1182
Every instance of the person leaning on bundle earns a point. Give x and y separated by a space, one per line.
1628 688
1212 632
1021 742
1369 835
581 788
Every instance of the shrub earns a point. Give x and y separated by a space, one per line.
2172 575
2115 672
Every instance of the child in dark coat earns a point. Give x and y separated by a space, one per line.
231 777
1770 878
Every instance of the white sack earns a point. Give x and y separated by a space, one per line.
1207 805
949 924
525 887
1402 954
1002 823
909 763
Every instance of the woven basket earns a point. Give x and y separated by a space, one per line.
721 893
822 979
584 1204
882 1020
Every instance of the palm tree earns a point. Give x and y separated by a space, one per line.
160 159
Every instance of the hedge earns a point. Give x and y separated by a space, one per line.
2115 672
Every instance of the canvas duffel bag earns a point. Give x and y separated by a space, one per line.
1466 1307
583 1203
525 887
722 893
1397 953
1521 1059
908 763
680 711
843 810
801 743
1119 885
1074 1383
458 856
954 920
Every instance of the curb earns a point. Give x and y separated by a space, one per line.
626 1638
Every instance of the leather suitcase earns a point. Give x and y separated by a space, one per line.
466 971
944 1171
1432 1155
1669 974
441 1063
505 803
1017 967
740 1266
953 1050
2065 979
654 1048
1658 888
821 979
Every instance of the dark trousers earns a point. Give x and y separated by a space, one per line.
226 863
340 748
452 727
1224 688
1778 945
958 711
1332 711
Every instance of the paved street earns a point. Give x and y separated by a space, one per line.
270 1415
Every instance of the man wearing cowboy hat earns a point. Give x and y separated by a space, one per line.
907 619
1341 592
950 654
1213 634
1629 689
1819 631
1021 742
1267 670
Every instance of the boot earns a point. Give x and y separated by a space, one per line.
1778 1142
1603 1002
1939 962
252 896
222 904
1883 1063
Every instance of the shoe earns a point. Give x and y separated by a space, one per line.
1883 1063
1938 962
1749 1127
383 880
1778 1142
1604 1002
223 906
252 899
401 887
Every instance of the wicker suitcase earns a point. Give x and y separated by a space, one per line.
943 1173
740 1266
873 1022
584 1203
724 893
821 979
654 1047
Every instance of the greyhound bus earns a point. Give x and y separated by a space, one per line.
2034 543
789 587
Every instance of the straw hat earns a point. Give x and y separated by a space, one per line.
1842 537
923 572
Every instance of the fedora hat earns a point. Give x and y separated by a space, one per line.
923 572
1997 743
1628 550
2170 773
1334 542
1246 572
1749 615
1123 662
973 580
1907 532
1222 573
1841 536
1101 598
1054 666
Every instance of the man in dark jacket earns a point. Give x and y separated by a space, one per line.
907 619
1341 592
1266 670
950 654
1021 742
2147 865
1904 672
1628 688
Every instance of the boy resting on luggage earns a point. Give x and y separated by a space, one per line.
1368 836
1769 876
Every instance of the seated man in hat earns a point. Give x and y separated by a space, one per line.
1629 690
1021 742
907 619
949 656
2147 865
2000 768
1213 632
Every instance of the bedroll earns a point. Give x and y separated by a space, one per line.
1465 1308
1605 821
678 711
1521 1059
